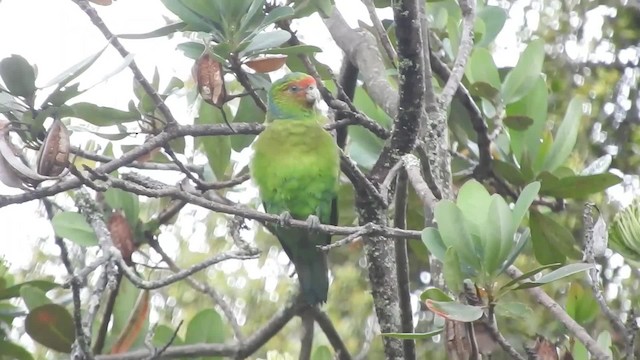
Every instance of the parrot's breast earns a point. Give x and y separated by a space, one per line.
296 167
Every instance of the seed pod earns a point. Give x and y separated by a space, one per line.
209 76
267 64
121 235
54 153
13 168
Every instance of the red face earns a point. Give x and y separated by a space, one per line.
304 91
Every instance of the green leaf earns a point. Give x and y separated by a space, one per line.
266 40
74 227
432 240
33 297
579 187
515 310
322 352
217 148
473 199
191 49
604 341
121 200
455 311
14 291
566 135
415 336
563 272
277 14
125 304
555 275
482 69
101 115
163 334
529 274
523 238
518 122
74 71
551 241
293 50
434 294
13 351
18 75
196 15
453 230
521 79
163 31
248 112
205 327
534 106
52 326
509 172
526 198
451 270
581 305
497 236
494 18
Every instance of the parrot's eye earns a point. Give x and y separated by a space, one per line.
294 88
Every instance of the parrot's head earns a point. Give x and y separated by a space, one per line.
292 96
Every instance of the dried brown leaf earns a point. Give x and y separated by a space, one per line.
267 64
209 76
54 153
121 235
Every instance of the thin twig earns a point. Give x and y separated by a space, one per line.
82 340
464 50
402 264
306 341
381 34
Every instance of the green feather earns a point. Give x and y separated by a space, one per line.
296 167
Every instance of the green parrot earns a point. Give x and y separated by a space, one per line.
296 166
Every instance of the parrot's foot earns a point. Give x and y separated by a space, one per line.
284 219
314 223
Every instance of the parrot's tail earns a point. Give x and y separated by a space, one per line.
314 279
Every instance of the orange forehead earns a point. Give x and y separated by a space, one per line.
306 81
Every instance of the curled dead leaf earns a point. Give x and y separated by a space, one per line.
134 326
54 153
14 172
267 64
121 235
209 76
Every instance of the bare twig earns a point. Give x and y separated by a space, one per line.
306 341
360 180
402 263
412 166
217 298
464 50
243 79
381 34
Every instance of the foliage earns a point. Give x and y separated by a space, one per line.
174 194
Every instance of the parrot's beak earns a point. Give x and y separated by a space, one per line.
312 94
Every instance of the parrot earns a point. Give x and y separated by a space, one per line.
296 167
